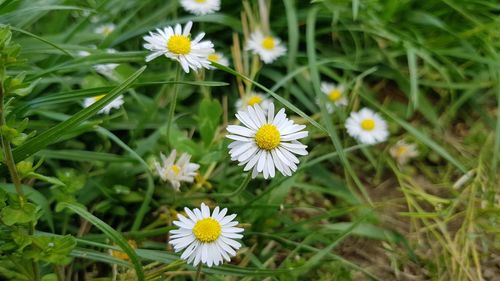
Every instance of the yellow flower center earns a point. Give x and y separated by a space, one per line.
254 100
268 137
213 57
335 95
176 169
368 124
98 98
107 30
200 1
401 150
207 230
179 44
268 43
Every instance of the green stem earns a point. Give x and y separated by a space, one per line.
9 159
198 273
171 112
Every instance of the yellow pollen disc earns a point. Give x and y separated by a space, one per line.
176 169
254 100
335 95
200 1
213 57
207 230
368 124
268 43
268 137
179 44
107 31
401 150
98 98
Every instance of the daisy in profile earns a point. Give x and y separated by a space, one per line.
176 171
218 58
116 103
252 99
367 126
176 44
105 29
402 152
206 238
266 142
268 48
201 7
335 94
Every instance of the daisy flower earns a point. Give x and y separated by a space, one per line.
403 151
105 29
367 126
175 172
116 103
266 142
205 238
218 58
176 44
106 69
201 7
252 99
335 95
268 48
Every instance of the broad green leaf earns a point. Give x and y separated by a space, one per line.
15 214
52 249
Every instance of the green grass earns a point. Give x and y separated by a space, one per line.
350 211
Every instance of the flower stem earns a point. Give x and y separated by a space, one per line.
171 112
198 273
7 150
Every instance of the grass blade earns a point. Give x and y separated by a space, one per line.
115 236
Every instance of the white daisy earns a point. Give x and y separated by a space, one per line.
205 238
201 7
252 99
367 126
105 29
175 172
218 58
335 94
267 47
83 53
175 43
116 103
106 69
266 141
403 151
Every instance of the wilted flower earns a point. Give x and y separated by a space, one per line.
176 171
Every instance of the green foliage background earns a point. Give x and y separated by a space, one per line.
350 212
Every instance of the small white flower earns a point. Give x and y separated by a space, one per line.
201 7
116 103
176 44
335 94
83 53
252 99
105 29
367 126
266 141
268 48
106 69
175 172
205 238
218 58
403 151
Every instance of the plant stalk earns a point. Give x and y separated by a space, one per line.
7 150
173 102
198 273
